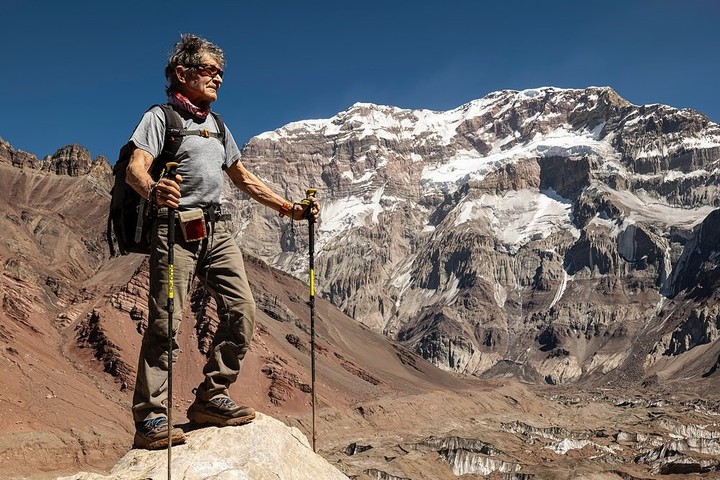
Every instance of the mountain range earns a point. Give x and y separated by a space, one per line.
546 230
502 268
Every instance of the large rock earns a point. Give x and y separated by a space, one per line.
265 448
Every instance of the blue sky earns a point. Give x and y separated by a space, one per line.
84 71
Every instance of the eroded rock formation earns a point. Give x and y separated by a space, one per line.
543 227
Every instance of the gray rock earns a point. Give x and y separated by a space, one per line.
263 449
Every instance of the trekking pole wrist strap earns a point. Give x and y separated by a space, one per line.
152 192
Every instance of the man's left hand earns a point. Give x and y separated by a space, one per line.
309 209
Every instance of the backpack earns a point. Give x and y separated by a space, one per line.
131 217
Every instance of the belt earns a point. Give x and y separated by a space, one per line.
213 213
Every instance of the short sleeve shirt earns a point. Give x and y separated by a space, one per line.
201 161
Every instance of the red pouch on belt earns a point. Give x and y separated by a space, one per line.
192 224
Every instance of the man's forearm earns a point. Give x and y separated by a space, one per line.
259 191
137 175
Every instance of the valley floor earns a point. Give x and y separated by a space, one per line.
497 429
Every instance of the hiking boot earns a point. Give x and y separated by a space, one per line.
219 411
153 434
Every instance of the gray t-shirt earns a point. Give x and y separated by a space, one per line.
202 161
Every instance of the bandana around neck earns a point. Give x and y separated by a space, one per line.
180 100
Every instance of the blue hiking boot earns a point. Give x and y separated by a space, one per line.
152 434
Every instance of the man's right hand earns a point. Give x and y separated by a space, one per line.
164 193
167 192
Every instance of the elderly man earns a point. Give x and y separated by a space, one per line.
204 247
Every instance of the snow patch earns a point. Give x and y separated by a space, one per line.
560 291
350 212
465 165
517 217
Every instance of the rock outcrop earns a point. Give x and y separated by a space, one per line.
265 448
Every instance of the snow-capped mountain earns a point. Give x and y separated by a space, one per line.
543 231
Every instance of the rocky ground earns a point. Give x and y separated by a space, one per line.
383 412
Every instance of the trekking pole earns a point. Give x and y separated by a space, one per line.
310 193
171 170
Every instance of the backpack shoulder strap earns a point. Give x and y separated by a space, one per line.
221 127
173 131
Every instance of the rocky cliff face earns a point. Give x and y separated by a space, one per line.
543 230
70 160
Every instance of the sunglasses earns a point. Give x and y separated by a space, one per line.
209 70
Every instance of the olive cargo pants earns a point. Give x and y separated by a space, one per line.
218 260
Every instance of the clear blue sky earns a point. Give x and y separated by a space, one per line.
84 71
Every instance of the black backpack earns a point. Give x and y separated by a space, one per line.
131 217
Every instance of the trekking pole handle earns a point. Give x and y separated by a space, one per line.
171 170
309 193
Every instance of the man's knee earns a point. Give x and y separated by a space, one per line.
158 328
241 317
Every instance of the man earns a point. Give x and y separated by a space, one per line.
203 248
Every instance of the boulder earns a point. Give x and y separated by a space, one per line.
265 448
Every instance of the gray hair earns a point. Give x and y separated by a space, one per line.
188 52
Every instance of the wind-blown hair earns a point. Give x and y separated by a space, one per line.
188 51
